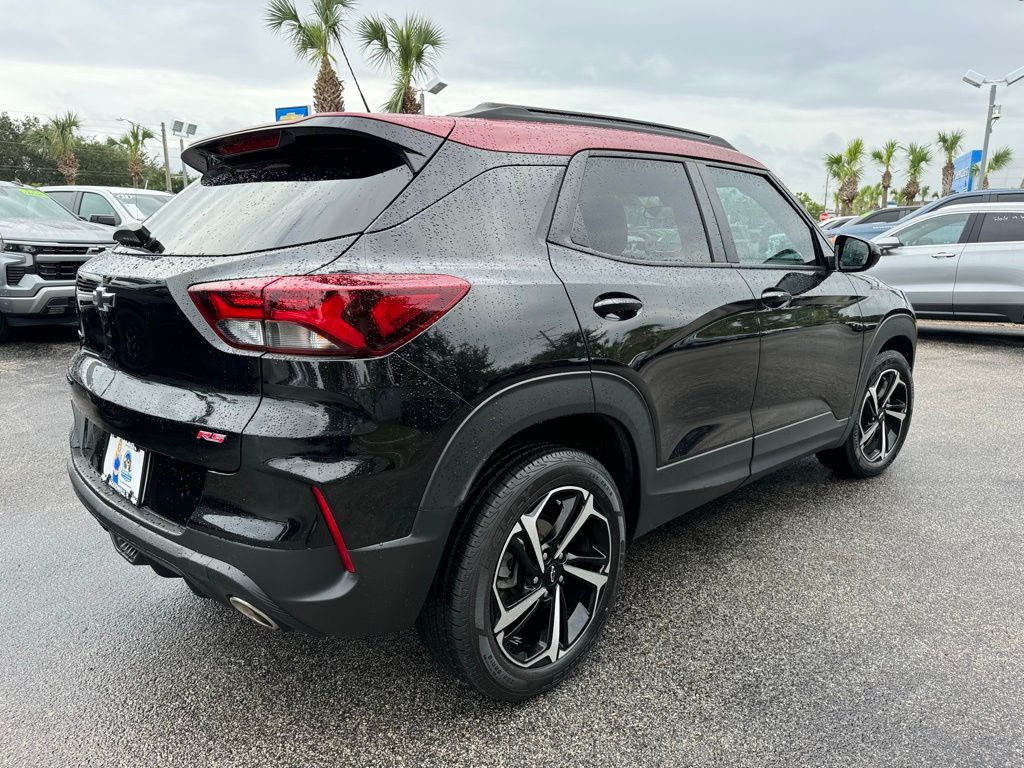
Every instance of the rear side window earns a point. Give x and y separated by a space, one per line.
318 187
1002 228
640 209
881 217
764 226
942 230
1010 197
63 197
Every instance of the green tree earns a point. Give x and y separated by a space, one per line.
134 141
313 39
918 157
999 161
59 138
812 206
846 168
950 144
407 50
883 157
867 198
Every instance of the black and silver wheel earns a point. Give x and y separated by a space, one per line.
883 420
534 576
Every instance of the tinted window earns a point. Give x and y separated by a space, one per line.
1002 228
640 209
93 204
1010 197
317 187
881 217
764 226
942 230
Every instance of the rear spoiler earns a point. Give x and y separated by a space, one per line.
418 138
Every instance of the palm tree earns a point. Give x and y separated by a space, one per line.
313 40
950 144
134 141
924 192
918 156
58 139
407 49
867 198
846 167
884 156
1000 159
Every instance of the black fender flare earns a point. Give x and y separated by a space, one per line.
897 323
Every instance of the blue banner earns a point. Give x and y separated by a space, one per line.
963 179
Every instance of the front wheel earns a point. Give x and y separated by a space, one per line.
883 421
533 576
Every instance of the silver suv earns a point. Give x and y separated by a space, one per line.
42 246
960 262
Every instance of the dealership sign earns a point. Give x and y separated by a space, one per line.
963 179
284 114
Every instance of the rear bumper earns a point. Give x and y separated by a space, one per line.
306 590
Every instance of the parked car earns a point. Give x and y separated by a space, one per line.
963 198
380 370
41 248
874 223
110 206
963 262
834 222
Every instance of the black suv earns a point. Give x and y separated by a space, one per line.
377 370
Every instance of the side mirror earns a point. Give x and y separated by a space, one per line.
886 244
103 218
856 255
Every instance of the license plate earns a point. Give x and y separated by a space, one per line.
124 468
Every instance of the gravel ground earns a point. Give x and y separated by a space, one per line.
802 621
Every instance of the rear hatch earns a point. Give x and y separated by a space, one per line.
274 201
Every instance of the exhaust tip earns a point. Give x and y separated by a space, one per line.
252 613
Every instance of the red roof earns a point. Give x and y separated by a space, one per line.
553 138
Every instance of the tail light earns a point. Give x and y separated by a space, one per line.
344 315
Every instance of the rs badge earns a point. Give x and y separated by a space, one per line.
210 437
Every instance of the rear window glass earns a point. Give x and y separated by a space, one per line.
318 187
640 209
1002 228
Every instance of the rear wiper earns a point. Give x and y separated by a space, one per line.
137 236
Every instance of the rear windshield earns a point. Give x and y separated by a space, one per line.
317 187
139 205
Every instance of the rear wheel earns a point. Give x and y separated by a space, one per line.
883 421
533 576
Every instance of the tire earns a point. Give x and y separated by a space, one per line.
490 613
864 454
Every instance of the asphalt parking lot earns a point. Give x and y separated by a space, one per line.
802 621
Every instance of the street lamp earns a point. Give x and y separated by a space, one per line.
435 86
978 80
163 138
183 131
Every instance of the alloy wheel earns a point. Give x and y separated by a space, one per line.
882 416
550 577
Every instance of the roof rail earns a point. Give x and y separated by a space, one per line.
497 111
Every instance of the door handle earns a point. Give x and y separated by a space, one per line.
775 298
944 255
617 306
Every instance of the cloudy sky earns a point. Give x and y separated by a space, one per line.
784 81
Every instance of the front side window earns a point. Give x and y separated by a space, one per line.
942 230
1002 228
764 226
96 205
886 216
640 209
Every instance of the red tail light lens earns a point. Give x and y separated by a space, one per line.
344 315
250 143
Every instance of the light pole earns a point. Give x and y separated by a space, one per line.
978 80
435 86
183 131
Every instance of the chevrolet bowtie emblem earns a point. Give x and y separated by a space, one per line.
103 299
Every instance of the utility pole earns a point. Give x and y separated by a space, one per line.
167 157
983 168
978 80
